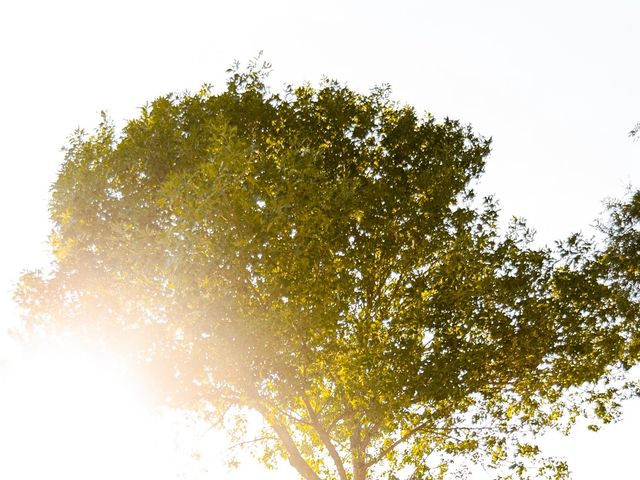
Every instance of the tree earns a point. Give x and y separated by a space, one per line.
318 256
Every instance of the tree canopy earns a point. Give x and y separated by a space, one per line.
318 255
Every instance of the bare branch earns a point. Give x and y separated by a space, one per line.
247 442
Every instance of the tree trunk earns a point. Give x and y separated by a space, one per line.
357 456
359 470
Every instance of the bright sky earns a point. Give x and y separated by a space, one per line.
555 83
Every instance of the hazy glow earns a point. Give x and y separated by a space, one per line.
554 83
76 416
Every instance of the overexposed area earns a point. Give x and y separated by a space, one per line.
555 84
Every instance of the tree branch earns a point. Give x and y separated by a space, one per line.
296 460
326 439
402 439
247 442
295 457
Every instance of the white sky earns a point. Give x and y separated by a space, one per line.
555 83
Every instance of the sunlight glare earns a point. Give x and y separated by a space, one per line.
77 416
